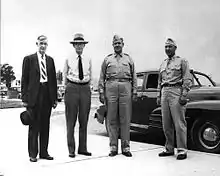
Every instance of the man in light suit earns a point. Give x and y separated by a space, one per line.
39 94
77 75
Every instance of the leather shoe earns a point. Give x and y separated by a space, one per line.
127 154
113 153
165 153
47 157
32 159
72 155
85 153
181 156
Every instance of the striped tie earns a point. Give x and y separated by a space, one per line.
43 69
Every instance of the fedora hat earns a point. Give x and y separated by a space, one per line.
26 117
78 38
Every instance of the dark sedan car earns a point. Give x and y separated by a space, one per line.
202 111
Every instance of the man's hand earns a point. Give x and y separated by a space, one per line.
183 100
25 104
134 97
102 98
158 101
55 105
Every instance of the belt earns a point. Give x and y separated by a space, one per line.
119 79
78 83
43 83
172 85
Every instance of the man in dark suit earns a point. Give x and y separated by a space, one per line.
39 94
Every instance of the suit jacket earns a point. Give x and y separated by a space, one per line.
30 80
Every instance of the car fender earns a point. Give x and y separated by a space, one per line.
204 104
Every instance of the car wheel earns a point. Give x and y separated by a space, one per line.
206 135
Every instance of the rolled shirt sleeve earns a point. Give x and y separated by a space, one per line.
134 77
186 77
159 84
102 78
65 71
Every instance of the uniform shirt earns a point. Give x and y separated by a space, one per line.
71 71
118 66
173 71
44 61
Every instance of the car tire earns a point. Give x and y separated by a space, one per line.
205 135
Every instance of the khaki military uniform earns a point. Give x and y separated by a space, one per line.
174 80
118 82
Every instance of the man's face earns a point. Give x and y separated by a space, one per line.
42 46
79 47
118 45
170 50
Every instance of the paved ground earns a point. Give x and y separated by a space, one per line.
145 161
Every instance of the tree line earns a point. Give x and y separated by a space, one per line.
8 75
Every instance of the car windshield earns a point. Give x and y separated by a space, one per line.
200 79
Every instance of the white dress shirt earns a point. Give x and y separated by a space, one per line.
71 71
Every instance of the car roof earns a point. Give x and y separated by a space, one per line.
156 70
148 70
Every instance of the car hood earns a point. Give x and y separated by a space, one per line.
204 93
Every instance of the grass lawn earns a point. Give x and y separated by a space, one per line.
10 103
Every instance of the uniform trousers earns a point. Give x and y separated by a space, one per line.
118 96
40 124
173 119
77 104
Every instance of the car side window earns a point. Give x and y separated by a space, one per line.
140 80
152 81
201 80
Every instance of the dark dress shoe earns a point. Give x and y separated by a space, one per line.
72 155
47 157
113 153
127 154
32 159
181 156
165 153
85 153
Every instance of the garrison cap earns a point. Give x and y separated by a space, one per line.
116 38
170 41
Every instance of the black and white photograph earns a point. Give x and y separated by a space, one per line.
110 87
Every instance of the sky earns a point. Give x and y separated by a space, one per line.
144 25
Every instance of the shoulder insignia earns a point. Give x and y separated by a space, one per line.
126 54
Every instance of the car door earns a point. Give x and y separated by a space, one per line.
146 102
136 105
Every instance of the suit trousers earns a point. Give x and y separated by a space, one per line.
40 126
77 104
173 119
118 95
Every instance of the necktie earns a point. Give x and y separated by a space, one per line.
80 68
43 69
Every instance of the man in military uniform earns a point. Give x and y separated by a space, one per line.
117 87
174 83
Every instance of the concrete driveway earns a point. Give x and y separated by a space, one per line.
145 161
